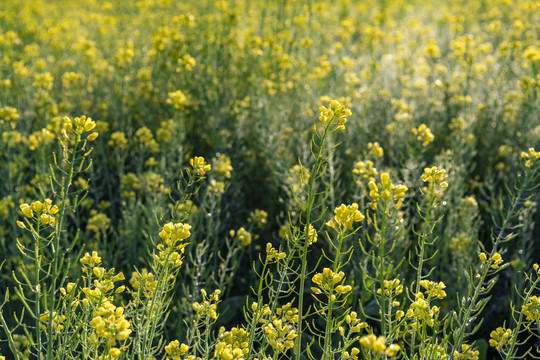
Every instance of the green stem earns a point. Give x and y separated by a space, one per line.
37 291
255 319
329 322
515 333
423 239
459 338
309 207
382 274
56 250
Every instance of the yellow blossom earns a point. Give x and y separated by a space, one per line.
337 112
199 165
346 215
424 134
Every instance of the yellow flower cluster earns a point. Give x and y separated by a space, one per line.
110 324
103 287
499 338
43 210
222 165
143 282
232 345
365 169
186 62
531 156
5 204
459 243
172 233
327 281
8 113
437 178
258 217
207 308
391 287
386 190
353 354
199 165
311 235
118 140
243 236
280 328
65 291
90 260
78 126
336 111
494 262
467 353
274 254
172 248
531 309
146 139
378 345
98 223
175 351
435 175
354 322
177 99
345 216
424 134
376 149
419 310
434 289
217 187
184 209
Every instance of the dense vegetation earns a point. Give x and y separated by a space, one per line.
269 179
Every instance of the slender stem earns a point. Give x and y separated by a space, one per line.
382 274
422 241
329 322
423 238
303 256
66 184
515 333
255 319
460 334
37 290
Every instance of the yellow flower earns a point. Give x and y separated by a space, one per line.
499 337
531 156
26 210
336 111
531 309
199 165
496 261
371 342
327 279
312 235
244 236
258 217
467 353
175 350
483 257
434 289
177 99
376 149
424 134
222 165
346 215
9 113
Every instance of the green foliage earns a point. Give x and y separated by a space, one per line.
275 179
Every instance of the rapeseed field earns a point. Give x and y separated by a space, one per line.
269 179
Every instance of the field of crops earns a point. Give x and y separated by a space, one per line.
269 179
